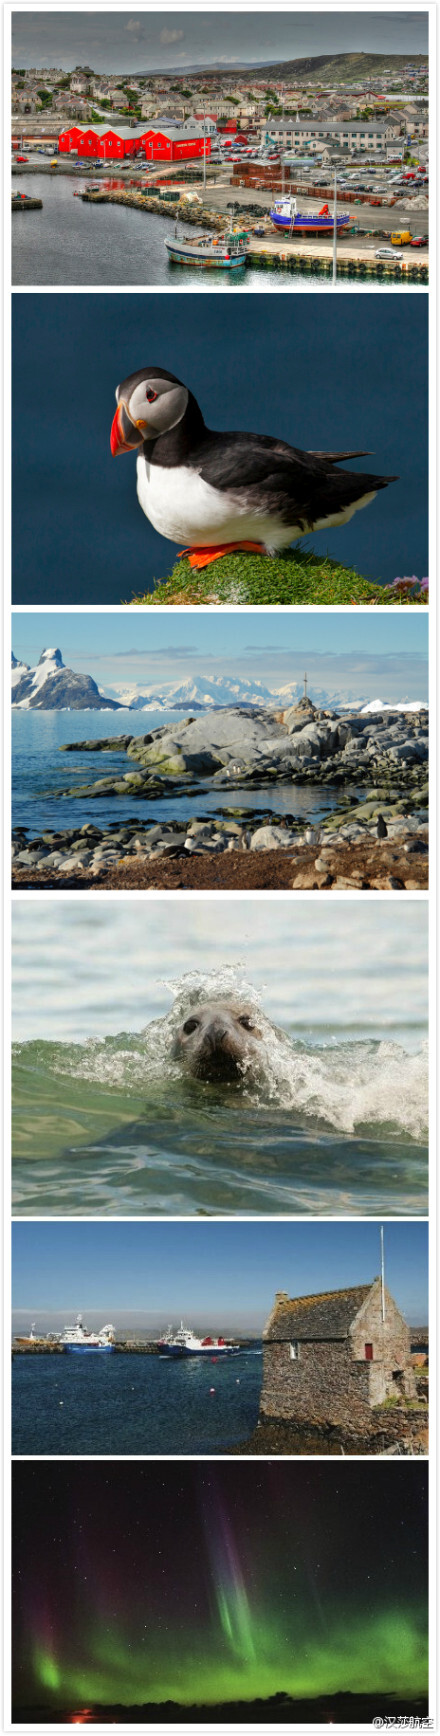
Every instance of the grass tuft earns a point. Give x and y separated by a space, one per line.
297 576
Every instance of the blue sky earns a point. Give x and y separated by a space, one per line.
177 1268
385 656
131 40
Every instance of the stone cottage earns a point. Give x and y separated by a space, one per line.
330 1358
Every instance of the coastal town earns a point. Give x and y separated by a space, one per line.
350 128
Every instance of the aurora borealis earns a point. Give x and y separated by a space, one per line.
140 1583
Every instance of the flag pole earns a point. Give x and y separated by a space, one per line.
335 234
382 1271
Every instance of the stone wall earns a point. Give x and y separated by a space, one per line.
391 1347
322 1385
331 1381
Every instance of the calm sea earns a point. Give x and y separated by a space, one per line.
40 771
134 1403
103 1121
69 242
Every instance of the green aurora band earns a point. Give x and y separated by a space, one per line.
383 1654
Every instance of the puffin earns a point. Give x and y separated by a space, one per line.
218 491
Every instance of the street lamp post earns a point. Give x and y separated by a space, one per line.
335 235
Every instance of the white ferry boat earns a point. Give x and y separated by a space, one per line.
184 1342
77 1340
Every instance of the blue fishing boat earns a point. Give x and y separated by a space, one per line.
285 215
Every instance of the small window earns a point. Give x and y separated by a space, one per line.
368 1353
294 1350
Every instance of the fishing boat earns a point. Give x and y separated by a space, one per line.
226 251
76 1339
31 1337
184 1342
284 214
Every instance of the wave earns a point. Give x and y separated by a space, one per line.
340 1085
370 1088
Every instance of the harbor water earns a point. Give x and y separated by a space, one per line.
70 242
134 1403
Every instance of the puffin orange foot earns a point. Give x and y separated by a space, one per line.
202 557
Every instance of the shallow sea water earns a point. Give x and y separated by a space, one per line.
40 771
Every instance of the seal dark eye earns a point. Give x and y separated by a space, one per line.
246 1022
151 396
190 1026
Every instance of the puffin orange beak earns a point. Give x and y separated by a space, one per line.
125 434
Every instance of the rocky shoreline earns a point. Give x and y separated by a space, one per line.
374 766
395 1433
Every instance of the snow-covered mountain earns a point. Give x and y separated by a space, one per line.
52 687
202 693
199 692
403 705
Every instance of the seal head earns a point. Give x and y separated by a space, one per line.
219 1042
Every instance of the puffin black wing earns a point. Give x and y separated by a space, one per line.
271 477
338 457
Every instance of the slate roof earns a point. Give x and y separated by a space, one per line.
307 126
329 1315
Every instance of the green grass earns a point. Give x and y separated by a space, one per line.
400 1402
296 576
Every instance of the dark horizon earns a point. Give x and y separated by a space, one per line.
348 1708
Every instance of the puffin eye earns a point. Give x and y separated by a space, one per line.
246 1022
150 395
190 1024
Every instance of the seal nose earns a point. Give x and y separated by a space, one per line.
215 1034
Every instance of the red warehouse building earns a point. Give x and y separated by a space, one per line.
108 142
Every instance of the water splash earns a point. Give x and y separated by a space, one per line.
362 1087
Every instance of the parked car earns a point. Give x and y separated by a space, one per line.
22 159
419 241
387 253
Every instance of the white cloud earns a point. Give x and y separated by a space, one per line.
171 36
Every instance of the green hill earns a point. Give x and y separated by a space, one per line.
341 68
